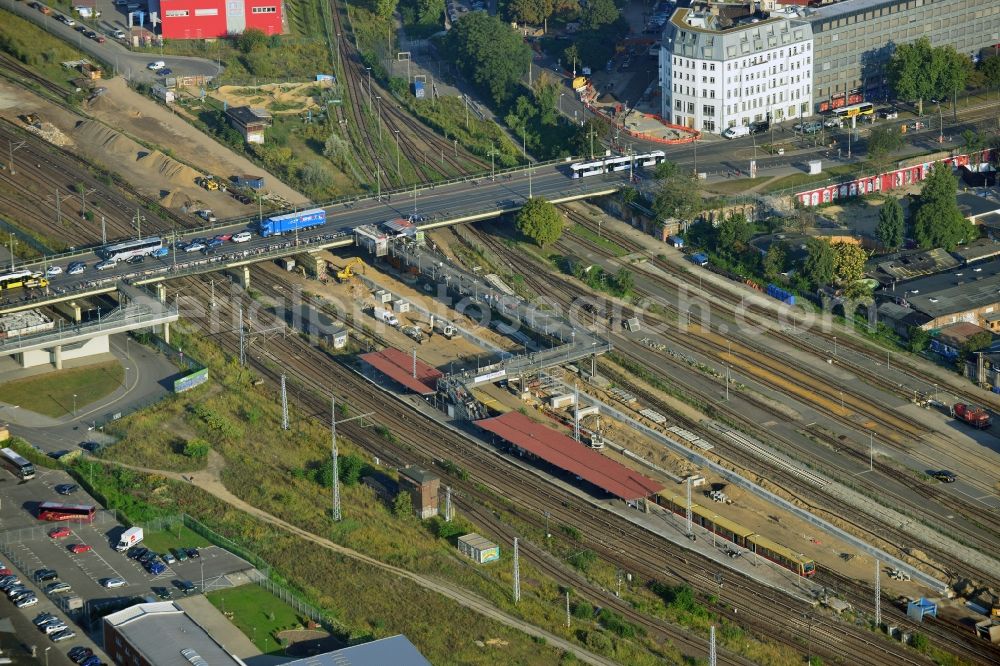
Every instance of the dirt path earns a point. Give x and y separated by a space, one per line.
210 480
154 123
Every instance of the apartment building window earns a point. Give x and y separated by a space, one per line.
711 67
708 125
679 105
708 110
690 108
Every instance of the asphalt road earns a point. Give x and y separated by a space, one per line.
441 202
130 64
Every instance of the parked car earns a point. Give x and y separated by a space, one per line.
180 553
78 548
118 34
112 583
89 446
62 18
943 475
27 601
812 127
67 488
185 586
193 553
166 71
92 660
832 122
63 635
53 270
137 552
163 592
44 618
42 575
889 113
4 571
168 558
54 627
156 65
79 654
156 568
57 587
23 593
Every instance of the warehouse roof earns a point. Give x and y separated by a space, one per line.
396 650
163 634
568 454
959 290
397 365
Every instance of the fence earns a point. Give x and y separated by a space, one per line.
261 575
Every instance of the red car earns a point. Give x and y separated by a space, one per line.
80 548
60 532
224 237
4 571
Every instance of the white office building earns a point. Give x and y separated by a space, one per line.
727 65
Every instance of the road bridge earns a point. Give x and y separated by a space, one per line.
458 202
138 309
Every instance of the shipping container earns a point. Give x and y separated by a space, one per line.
418 89
283 224
478 548
774 291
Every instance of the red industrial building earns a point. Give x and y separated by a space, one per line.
404 369
205 19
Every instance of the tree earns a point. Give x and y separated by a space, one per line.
976 342
775 260
882 142
848 263
489 53
314 177
678 198
532 12
384 8
938 221
587 137
890 223
571 56
918 339
539 221
350 468
625 281
818 266
598 13
733 234
990 67
951 71
250 40
429 11
908 71
665 170
402 506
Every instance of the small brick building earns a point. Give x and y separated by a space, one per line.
422 486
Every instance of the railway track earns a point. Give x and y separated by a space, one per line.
957 637
893 430
415 139
16 70
621 542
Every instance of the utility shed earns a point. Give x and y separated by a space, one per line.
423 487
478 548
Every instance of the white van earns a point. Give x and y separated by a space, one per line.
156 65
736 132
385 316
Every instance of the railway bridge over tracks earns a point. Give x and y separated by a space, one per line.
439 205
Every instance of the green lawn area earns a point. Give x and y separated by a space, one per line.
797 179
610 246
257 613
52 394
37 48
163 541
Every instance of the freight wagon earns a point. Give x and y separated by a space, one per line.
283 224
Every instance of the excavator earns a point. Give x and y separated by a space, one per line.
346 273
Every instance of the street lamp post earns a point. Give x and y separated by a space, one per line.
74 404
397 155
561 95
47 655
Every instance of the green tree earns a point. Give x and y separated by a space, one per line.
196 448
951 71
587 137
350 468
678 198
250 40
598 13
848 263
919 641
908 71
429 11
540 222
938 221
733 234
489 53
624 281
665 170
402 506
990 67
314 177
384 8
890 223
532 12
882 142
571 56
918 339
775 260
977 342
818 266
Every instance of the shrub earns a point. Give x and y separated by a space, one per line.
196 448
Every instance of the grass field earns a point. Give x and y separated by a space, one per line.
37 48
797 179
161 542
52 394
257 613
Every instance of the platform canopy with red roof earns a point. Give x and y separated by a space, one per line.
397 365
566 453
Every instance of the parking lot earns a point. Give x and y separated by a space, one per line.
26 547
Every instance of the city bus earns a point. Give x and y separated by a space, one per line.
18 466
128 249
55 511
24 278
848 112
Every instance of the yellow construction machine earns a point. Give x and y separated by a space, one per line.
346 273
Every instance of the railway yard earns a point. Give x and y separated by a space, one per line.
692 434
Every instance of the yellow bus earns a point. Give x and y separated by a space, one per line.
865 109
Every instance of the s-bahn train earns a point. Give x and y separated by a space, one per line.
741 536
611 164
